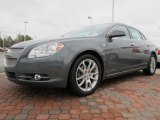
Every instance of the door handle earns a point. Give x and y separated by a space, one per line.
132 44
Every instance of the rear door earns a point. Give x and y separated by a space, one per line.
141 47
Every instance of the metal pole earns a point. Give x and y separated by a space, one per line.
25 33
112 11
91 22
90 18
25 30
3 43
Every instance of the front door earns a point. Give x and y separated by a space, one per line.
119 52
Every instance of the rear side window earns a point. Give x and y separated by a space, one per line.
123 28
143 37
135 34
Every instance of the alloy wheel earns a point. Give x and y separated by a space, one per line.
152 65
87 75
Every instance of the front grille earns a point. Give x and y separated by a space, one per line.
15 50
11 61
12 56
11 75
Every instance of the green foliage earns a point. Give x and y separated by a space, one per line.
9 41
21 38
1 42
28 37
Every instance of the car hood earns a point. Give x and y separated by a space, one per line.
33 42
37 42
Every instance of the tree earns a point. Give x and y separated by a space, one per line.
1 42
8 41
21 38
28 37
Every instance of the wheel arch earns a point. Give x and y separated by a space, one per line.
92 52
154 53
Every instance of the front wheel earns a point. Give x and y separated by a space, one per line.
151 67
85 75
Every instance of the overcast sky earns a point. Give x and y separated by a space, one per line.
51 18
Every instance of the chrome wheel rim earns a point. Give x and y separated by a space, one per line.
153 65
87 75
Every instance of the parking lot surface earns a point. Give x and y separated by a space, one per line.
130 97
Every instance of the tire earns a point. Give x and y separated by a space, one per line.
151 69
84 81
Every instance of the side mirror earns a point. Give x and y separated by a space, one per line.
116 33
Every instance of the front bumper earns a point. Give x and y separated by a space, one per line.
53 83
25 70
54 69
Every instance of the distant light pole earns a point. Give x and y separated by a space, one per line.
35 37
25 29
112 11
2 40
90 18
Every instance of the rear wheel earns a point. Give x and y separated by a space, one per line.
85 75
151 67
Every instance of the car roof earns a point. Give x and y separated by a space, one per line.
113 24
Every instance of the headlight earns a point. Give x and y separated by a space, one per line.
45 50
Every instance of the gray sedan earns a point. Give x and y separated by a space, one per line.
81 59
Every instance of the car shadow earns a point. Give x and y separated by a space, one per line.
158 65
120 79
40 92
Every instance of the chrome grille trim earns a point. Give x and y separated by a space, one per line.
15 50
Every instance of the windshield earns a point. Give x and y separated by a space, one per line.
89 31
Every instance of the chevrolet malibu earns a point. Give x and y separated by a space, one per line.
81 59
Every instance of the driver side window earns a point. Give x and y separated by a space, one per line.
122 28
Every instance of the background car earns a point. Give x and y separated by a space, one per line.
158 60
1 49
81 59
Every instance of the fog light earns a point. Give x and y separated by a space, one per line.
37 77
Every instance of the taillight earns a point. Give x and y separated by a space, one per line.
158 52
